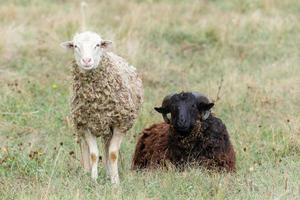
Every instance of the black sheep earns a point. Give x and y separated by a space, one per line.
192 136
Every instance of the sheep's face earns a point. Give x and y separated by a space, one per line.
185 110
88 49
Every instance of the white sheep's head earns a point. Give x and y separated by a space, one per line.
88 49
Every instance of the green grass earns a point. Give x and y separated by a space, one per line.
253 46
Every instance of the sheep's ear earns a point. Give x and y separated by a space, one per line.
164 112
67 45
205 106
105 44
161 110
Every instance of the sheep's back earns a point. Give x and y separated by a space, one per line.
152 147
130 80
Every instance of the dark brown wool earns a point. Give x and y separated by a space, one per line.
108 96
206 145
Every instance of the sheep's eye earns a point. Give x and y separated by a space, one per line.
98 45
75 46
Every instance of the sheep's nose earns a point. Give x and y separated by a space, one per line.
86 60
182 120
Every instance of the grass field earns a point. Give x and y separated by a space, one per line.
245 50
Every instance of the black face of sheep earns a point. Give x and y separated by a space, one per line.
185 109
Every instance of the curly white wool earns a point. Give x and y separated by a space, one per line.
106 97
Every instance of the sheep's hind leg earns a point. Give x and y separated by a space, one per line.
85 153
106 157
94 153
113 154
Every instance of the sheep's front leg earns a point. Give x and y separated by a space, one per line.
113 154
94 154
85 154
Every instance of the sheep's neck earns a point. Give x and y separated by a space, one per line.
90 75
187 141
182 147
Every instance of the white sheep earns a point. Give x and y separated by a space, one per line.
107 95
